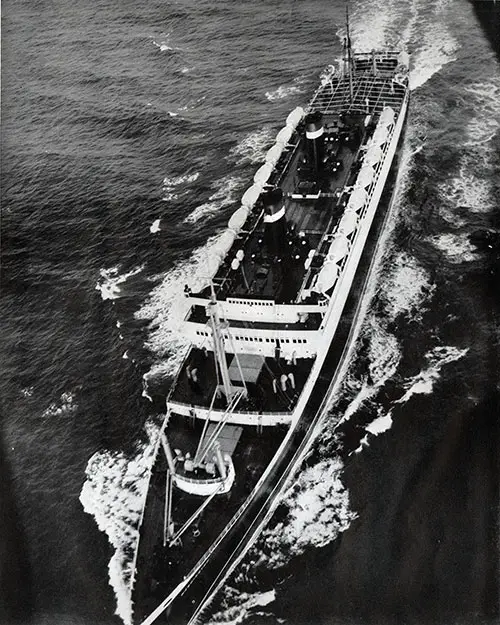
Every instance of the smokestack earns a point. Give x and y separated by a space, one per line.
275 222
315 140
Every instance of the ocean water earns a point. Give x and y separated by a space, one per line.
129 133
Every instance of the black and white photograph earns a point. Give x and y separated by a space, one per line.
250 312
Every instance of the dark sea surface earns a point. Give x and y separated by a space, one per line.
119 114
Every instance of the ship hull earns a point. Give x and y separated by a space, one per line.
196 587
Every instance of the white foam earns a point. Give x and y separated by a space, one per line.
253 147
473 186
237 613
423 382
405 287
110 279
164 46
284 91
384 354
223 196
171 185
456 247
145 393
155 226
166 308
66 406
381 424
318 510
437 49
485 97
468 190
371 25
114 493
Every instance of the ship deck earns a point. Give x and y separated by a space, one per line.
313 207
159 568
167 563
262 377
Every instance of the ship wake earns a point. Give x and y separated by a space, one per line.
114 493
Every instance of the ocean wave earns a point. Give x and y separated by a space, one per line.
437 49
284 91
382 423
155 226
111 278
253 147
485 96
466 189
170 185
405 288
371 26
66 406
165 46
166 310
236 606
456 246
223 196
428 35
423 382
384 352
114 493
384 355
473 186
317 511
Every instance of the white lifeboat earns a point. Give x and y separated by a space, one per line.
284 136
380 136
349 222
339 248
238 219
251 195
326 277
294 117
373 155
207 487
224 243
358 199
387 116
365 176
263 173
273 154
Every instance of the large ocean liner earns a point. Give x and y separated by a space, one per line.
268 332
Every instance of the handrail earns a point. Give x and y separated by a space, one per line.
259 413
191 480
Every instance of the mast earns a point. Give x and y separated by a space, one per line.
220 354
348 53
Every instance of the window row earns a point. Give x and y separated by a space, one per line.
250 302
252 338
